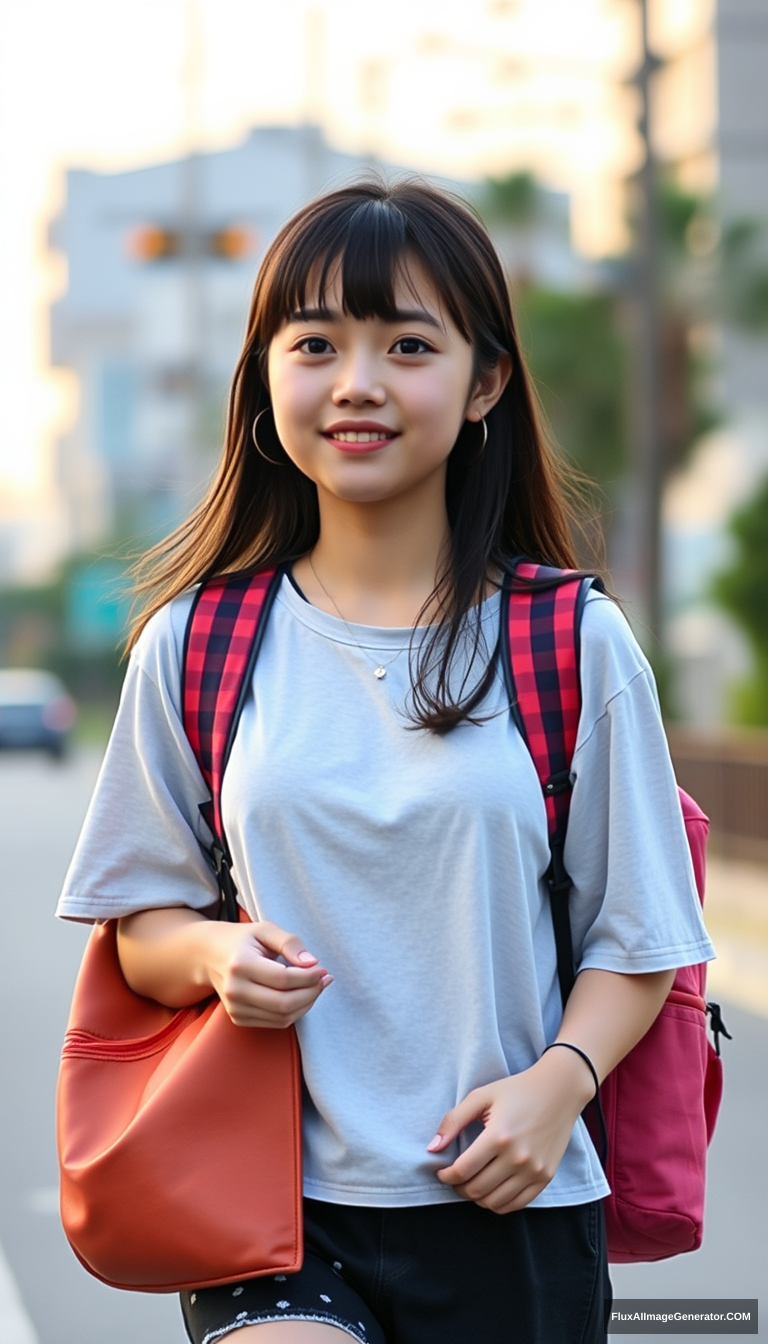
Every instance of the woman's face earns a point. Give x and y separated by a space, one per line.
370 410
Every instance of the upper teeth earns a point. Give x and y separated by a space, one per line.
352 436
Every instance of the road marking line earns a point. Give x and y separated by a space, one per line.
15 1325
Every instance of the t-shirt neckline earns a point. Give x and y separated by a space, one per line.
386 638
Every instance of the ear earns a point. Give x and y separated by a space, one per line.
489 388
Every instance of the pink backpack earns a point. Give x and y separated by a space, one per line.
658 1108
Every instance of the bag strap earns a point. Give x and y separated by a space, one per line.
224 633
541 632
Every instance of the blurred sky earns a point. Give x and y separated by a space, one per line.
464 87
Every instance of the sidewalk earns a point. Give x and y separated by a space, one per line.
736 913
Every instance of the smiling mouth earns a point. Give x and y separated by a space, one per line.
365 436
360 440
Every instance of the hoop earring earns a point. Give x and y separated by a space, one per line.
481 449
259 450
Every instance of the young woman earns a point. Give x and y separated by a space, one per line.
386 823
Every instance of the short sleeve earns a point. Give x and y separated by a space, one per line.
140 846
634 904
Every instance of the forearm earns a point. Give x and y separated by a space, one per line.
607 1014
264 975
165 954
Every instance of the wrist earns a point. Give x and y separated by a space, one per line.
213 945
574 1070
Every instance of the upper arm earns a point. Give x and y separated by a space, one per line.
142 844
634 904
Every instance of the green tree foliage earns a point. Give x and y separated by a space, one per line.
743 290
578 342
514 199
36 631
687 239
573 341
741 591
576 350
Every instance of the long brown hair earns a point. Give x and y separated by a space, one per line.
514 498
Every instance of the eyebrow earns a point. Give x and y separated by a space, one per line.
399 315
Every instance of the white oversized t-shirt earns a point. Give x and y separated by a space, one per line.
411 864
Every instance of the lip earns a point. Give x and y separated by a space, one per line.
388 435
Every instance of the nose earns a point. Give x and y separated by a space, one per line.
359 382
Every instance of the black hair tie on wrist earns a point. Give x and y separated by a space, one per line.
603 1154
566 1045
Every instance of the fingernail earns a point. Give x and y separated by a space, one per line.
326 980
436 1142
306 958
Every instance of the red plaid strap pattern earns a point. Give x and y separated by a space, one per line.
544 657
219 652
542 667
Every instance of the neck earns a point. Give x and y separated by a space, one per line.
379 563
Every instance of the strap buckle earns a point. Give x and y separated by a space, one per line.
222 867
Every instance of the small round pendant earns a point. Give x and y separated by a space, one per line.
380 672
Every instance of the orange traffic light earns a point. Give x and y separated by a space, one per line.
232 243
150 242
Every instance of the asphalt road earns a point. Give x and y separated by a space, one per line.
45 1296
41 807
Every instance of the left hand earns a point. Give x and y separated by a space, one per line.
527 1121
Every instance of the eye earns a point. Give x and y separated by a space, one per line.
411 345
314 345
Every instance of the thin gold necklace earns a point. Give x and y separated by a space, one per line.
380 671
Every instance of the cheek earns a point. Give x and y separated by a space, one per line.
294 403
440 402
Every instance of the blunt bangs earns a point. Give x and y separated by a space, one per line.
370 241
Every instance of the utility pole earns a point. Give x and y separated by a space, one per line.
191 207
648 461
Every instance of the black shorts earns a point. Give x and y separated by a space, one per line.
433 1274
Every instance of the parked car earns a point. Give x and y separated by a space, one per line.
36 710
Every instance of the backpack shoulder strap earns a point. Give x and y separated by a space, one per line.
541 631
222 640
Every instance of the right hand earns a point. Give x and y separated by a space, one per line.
264 976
